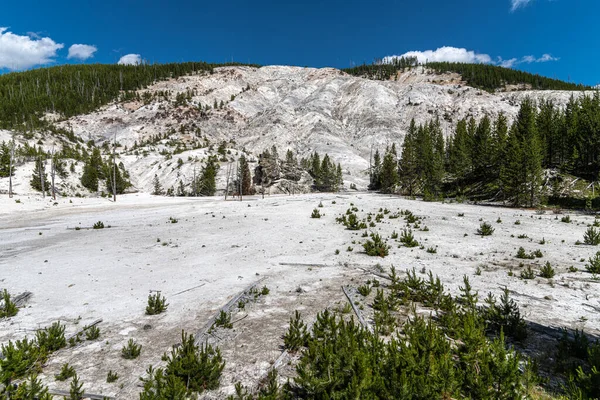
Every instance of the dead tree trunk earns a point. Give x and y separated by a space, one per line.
10 170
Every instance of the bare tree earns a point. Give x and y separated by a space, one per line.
114 182
53 173
227 180
10 170
42 173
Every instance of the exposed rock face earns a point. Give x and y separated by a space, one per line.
302 109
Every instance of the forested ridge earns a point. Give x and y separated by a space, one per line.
75 89
482 76
490 77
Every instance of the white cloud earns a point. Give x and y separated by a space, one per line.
516 4
22 52
462 55
446 53
82 51
507 63
130 59
525 60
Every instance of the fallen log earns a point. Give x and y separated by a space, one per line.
200 336
92 396
23 298
356 310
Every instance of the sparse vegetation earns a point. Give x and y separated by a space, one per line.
112 376
593 265
92 333
98 225
408 239
527 273
485 229
156 304
7 308
315 213
67 371
131 350
547 271
592 236
297 335
376 246
223 320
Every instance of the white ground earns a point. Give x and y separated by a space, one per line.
78 276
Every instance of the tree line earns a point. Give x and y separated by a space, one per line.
493 159
70 90
482 76
491 77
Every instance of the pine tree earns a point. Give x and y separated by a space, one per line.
389 173
499 137
408 165
523 166
39 174
92 171
4 160
315 169
207 179
158 189
482 146
459 157
375 178
112 171
244 177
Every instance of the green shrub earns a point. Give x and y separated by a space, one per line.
264 291
547 271
20 357
8 308
199 369
523 255
376 247
98 225
297 335
431 250
364 290
527 273
591 236
32 388
76 389
566 219
223 320
131 350
156 304
92 333
67 371
353 223
315 213
111 377
52 338
505 316
407 238
593 265
485 229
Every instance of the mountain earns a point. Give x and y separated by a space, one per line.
254 108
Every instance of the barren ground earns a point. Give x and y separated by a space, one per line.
218 248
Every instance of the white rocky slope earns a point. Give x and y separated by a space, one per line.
302 109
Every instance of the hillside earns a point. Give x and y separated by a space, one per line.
301 109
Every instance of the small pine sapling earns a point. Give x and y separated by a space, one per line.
131 350
156 304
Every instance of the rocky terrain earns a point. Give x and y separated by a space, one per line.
301 109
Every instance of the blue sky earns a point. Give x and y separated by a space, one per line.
556 38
